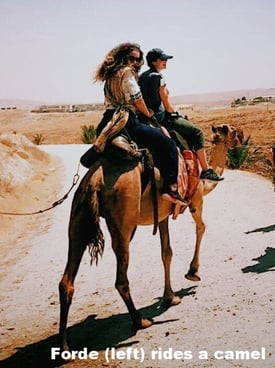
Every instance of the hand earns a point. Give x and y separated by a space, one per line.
153 121
151 113
172 116
149 120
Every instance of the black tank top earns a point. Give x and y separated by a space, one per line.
149 82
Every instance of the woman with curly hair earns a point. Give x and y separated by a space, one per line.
119 72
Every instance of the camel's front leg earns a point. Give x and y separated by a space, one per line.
169 297
196 212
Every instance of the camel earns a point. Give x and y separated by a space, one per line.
113 190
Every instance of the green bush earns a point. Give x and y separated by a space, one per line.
38 138
239 155
88 134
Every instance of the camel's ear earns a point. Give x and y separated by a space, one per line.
225 129
240 135
214 129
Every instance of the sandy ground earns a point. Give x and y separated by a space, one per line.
231 309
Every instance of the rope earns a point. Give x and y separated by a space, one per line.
54 204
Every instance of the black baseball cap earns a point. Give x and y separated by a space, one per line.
155 54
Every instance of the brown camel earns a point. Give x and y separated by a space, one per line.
113 190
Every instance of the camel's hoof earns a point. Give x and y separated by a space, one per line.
143 323
64 347
60 359
167 303
193 276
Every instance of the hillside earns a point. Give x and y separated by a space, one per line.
66 128
212 98
223 97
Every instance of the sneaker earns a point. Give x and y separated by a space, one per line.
209 174
174 197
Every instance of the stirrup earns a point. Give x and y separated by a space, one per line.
174 197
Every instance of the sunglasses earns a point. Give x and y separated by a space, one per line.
134 59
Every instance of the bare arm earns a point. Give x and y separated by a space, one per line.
142 108
164 96
131 87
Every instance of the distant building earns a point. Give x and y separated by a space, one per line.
8 108
68 108
252 101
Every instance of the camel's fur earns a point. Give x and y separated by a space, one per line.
113 191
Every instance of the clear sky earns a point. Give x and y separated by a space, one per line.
50 49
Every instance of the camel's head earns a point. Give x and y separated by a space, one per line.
228 135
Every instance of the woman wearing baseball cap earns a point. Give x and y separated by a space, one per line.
156 97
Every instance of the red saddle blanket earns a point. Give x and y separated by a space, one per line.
189 174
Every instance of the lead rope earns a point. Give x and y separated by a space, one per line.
56 203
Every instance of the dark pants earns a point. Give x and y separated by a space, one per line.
163 148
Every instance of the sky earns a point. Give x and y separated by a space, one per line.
50 49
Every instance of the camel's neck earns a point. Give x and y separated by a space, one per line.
217 161
218 157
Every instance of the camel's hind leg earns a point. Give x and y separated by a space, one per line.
121 236
79 236
66 288
169 297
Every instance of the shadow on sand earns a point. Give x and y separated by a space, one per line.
95 334
265 229
265 263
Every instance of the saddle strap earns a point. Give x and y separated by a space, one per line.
149 175
154 199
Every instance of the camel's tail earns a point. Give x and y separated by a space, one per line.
97 241
96 245
85 216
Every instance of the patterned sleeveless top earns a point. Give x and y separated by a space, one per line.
122 89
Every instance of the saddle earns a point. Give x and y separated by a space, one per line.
119 147
188 169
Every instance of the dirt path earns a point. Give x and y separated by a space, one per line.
231 309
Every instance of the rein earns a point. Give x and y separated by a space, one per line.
54 204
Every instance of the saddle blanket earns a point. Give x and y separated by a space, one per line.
188 178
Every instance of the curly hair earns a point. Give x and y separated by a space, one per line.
115 59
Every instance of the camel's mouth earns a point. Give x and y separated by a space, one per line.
217 139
